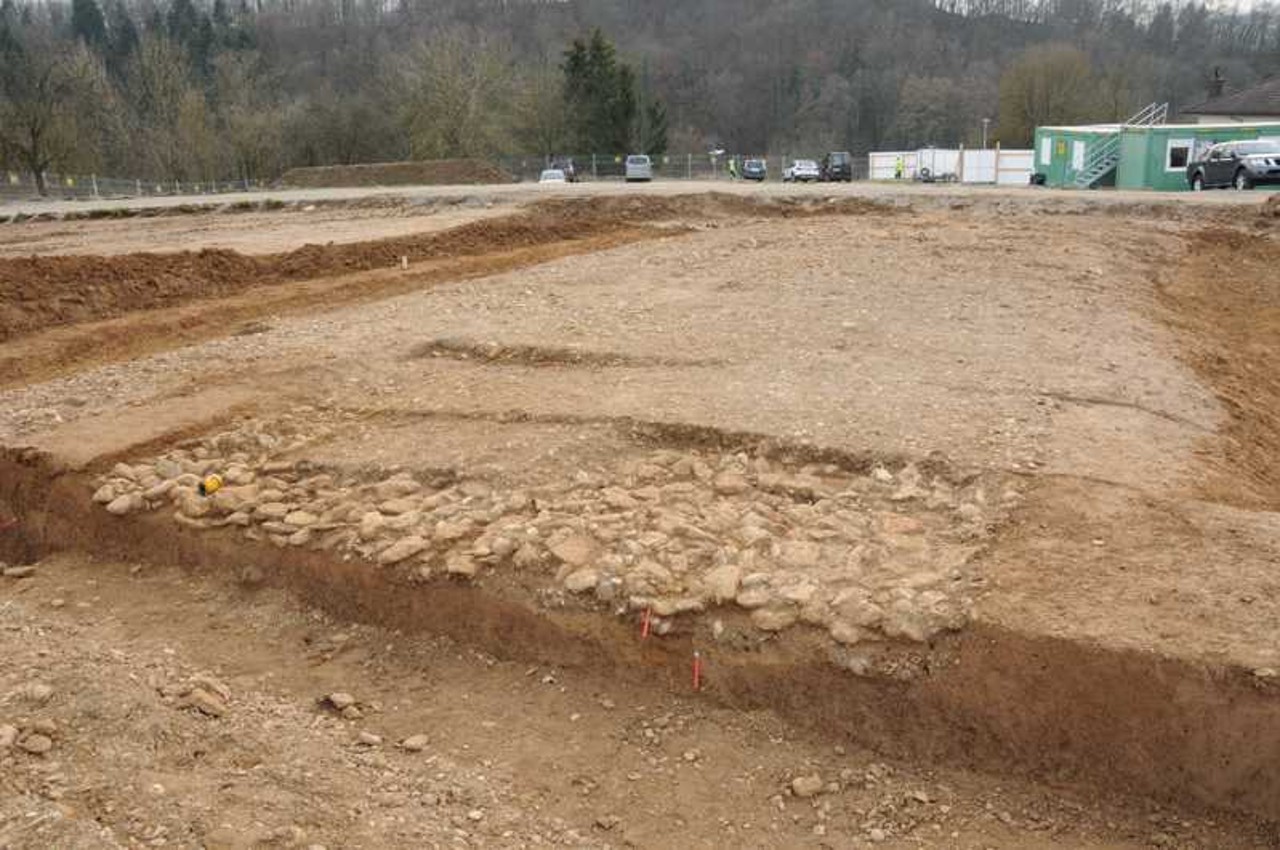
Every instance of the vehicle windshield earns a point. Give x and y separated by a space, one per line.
637 160
806 163
754 163
839 158
1251 148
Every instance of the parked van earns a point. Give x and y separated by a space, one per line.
639 168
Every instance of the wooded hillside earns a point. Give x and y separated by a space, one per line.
246 88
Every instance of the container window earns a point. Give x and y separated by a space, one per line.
1178 154
1046 149
1077 156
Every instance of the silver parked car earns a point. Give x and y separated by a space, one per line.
639 168
802 171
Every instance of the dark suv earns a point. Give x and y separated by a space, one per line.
837 165
1239 164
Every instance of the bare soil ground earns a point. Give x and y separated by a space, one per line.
252 232
516 754
984 484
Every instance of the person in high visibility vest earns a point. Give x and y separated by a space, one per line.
899 168
733 168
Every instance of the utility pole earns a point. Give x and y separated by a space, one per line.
986 122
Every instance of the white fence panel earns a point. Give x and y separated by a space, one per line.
1003 167
939 161
1015 167
979 167
882 165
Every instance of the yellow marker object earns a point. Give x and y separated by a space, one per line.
210 485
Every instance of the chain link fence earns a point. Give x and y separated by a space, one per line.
19 186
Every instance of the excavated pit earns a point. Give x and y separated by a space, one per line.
947 680
981 697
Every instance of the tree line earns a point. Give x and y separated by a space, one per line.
199 90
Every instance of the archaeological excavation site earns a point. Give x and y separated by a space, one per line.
814 516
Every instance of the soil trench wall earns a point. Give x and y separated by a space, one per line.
986 698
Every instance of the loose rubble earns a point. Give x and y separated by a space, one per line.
864 556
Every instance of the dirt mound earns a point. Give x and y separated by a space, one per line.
713 205
1271 208
40 292
537 355
1229 327
439 172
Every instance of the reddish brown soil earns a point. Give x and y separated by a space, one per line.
1222 299
1005 703
59 349
440 172
39 292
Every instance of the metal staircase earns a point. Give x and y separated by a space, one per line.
1105 156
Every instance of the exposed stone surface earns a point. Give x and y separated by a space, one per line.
877 556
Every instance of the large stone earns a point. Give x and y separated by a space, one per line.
204 702
773 619
395 507
618 499
669 606
722 582
527 556
404 548
340 700
461 564
166 468
300 519
415 743
576 550
904 620
396 487
846 633
854 604
807 786
230 500
272 511
800 593
193 506
650 578
893 523
36 744
581 581
756 596
450 530
371 525
502 547
126 504
799 554
125 471
104 494
156 492
238 475
730 483
8 735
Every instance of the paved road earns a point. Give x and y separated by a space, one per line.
517 193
